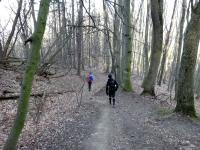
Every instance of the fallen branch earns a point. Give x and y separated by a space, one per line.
41 94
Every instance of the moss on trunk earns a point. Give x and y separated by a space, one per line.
157 40
127 48
28 77
185 88
186 109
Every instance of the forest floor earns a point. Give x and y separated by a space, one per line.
135 123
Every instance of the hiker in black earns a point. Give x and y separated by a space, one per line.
111 88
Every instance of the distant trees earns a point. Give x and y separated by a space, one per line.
31 69
119 53
158 69
166 46
5 50
123 40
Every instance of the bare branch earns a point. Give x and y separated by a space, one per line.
88 13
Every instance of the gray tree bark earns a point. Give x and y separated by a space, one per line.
116 40
79 37
127 47
180 42
106 39
73 37
185 93
157 40
145 49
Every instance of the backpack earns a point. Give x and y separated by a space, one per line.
90 78
113 85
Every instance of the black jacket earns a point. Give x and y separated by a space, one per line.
111 86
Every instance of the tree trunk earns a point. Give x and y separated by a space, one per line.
73 37
80 37
66 56
106 39
116 41
145 51
89 41
184 7
185 93
28 77
197 81
157 40
127 47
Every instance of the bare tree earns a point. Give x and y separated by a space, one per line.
80 37
106 39
157 40
117 40
127 47
185 93
73 35
146 45
180 43
36 42
6 47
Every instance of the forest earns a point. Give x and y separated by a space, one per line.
59 62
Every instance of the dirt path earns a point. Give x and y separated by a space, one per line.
136 123
100 138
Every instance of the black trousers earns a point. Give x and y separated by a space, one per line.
112 97
89 85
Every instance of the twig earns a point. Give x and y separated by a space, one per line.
88 13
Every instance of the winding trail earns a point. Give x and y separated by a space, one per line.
136 123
